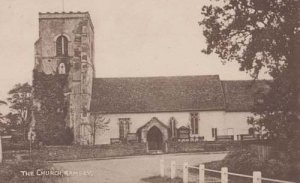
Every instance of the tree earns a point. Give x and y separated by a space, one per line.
50 126
96 125
2 125
254 33
13 124
20 101
2 103
262 35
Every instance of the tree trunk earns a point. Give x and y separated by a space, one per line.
94 133
296 52
24 129
296 60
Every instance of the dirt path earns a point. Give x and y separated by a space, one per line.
130 169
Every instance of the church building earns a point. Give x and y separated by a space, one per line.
145 109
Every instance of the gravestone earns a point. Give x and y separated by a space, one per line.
183 133
132 137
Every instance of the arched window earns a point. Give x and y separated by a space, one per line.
124 127
173 127
194 122
62 46
251 131
61 68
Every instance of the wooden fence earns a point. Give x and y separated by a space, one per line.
256 177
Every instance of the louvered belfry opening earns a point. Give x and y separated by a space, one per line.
62 46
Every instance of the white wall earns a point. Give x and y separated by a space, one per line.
237 121
208 120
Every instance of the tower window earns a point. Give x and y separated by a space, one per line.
194 122
62 46
61 68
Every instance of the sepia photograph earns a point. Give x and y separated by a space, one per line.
150 91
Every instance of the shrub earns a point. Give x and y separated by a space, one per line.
8 146
68 136
279 169
21 145
56 136
245 161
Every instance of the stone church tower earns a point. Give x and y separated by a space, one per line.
66 47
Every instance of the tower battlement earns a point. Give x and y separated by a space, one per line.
66 15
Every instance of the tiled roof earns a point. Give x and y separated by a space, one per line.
172 94
240 95
157 94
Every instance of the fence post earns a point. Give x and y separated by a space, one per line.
166 147
162 167
201 173
173 169
257 177
224 175
185 172
1 149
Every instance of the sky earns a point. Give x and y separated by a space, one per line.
133 38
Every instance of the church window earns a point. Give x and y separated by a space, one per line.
259 98
214 132
173 127
124 127
61 68
84 29
194 122
251 131
62 46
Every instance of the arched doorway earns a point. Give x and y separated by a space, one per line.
154 139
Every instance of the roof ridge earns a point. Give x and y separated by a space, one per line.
142 77
63 12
